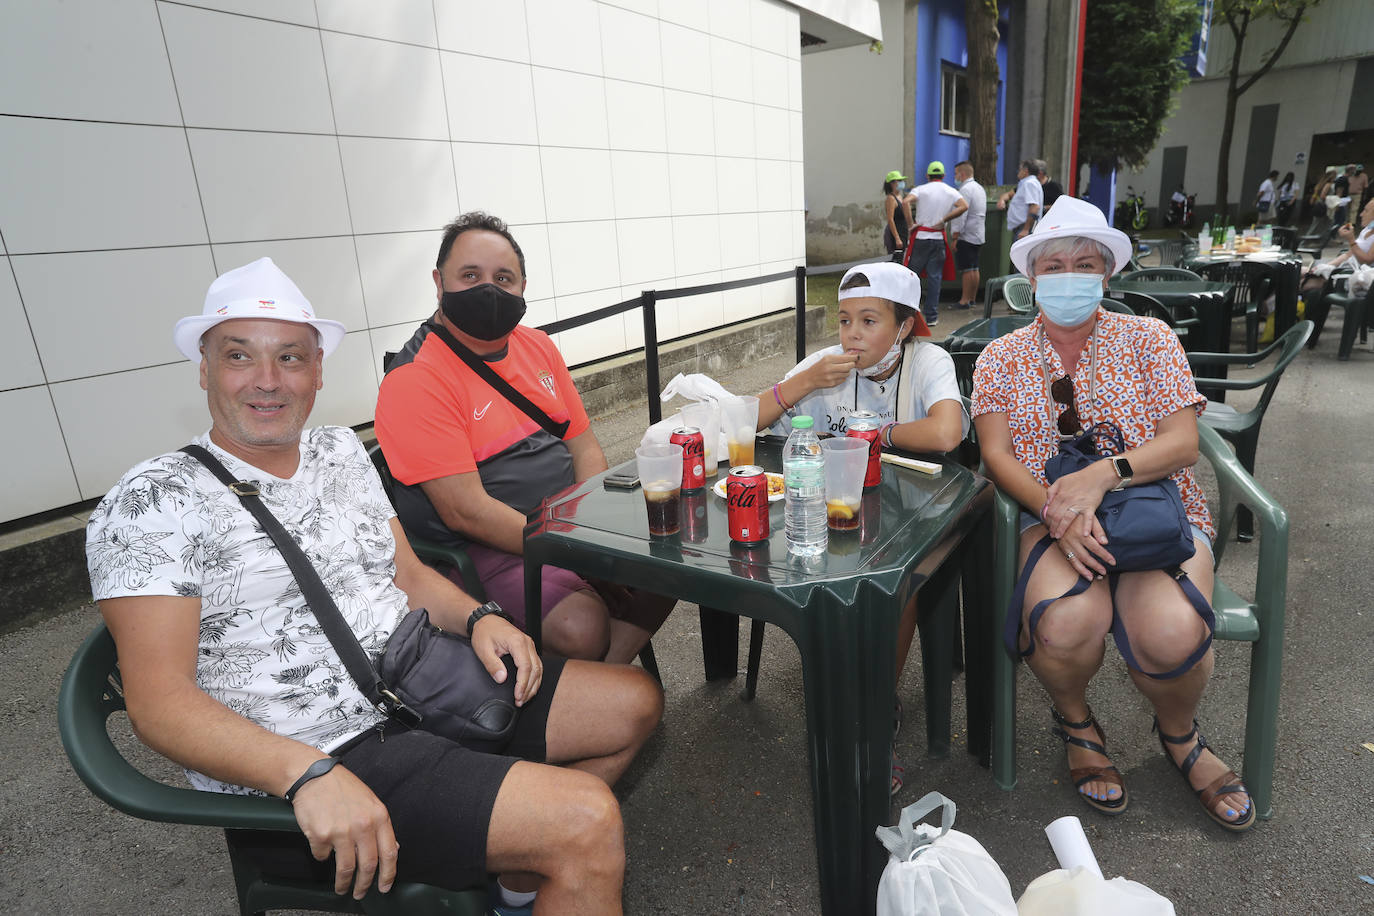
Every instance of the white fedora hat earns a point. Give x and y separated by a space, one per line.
1067 218
257 290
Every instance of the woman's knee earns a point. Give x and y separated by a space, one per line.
1071 626
1164 637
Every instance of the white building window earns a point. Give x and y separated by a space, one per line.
954 101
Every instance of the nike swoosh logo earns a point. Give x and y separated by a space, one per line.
479 414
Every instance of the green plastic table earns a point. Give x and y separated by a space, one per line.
1210 298
1287 277
978 333
841 609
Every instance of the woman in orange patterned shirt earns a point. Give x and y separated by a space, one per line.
1074 366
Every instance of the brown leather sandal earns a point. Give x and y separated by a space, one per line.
1081 776
1226 784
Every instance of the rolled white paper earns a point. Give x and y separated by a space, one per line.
1070 845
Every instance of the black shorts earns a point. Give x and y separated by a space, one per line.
438 793
966 255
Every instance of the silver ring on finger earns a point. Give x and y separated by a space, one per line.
1069 554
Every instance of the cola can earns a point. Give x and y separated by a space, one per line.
864 424
694 529
746 498
693 457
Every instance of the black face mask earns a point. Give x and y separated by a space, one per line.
485 312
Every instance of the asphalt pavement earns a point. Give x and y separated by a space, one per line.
718 810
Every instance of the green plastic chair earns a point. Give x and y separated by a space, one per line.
1019 295
1161 274
91 692
1259 621
1242 429
1182 320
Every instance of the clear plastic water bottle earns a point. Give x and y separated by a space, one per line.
803 475
1230 236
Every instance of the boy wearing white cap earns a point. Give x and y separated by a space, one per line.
227 671
879 365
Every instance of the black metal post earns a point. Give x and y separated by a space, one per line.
647 298
801 313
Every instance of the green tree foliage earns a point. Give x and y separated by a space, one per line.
1131 71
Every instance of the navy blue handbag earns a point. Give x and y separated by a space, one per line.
1146 527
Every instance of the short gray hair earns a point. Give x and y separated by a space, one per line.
1071 245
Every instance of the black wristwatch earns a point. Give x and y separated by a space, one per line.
1124 473
491 607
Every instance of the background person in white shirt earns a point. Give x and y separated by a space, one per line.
880 364
1023 205
932 205
1264 200
968 232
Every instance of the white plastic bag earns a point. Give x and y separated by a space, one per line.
939 872
1079 892
695 386
1360 280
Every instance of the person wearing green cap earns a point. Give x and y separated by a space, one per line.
897 213
932 205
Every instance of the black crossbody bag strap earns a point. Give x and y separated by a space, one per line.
316 595
503 387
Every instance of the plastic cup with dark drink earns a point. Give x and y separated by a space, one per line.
660 477
846 461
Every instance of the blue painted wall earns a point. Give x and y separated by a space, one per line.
942 38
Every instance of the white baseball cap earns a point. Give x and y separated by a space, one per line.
888 280
257 290
1071 217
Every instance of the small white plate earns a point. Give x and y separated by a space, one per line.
719 488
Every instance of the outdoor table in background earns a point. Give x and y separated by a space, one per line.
1287 277
841 609
1211 299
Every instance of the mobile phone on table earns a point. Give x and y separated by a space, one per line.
624 477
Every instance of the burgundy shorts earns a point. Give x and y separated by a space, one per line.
503 576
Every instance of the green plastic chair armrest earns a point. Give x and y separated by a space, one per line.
441 554
85 701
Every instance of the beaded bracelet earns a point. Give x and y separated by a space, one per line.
886 435
777 396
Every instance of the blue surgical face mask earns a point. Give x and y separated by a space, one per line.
1068 299
901 186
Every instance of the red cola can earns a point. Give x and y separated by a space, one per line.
694 527
746 498
693 457
864 424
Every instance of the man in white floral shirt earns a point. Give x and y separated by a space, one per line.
227 671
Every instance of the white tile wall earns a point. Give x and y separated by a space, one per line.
691 123
686 58
112 422
732 75
264 186
646 252
692 185
19 366
40 473
55 169
502 179
301 12
398 185
397 270
585 257
275 72
367 106
641 184
97 292
635 116
397 20
120 74
577 184
571 108
484 28
489 100
565 34
629 46
149 144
